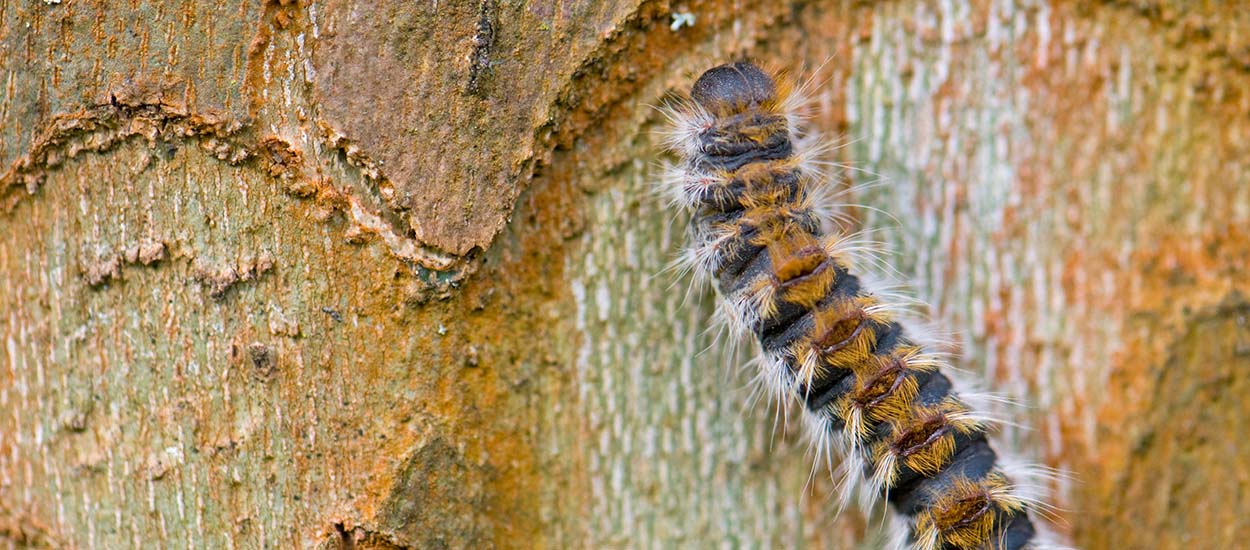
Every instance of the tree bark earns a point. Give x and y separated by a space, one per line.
390 274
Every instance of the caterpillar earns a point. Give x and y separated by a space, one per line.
761 231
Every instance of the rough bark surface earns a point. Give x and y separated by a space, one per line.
388 274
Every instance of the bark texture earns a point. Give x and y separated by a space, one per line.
388 274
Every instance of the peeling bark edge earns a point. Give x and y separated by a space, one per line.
156 113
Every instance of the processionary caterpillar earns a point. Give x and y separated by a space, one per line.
866 385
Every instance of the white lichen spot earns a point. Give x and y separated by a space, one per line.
682 19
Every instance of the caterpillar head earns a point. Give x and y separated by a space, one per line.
733 88
745 124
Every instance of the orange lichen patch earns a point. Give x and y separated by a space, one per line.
276 17
483 464
967 514
508 314
1182 304
282 160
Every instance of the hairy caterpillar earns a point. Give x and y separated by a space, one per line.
758 230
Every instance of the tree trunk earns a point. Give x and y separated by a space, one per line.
316 274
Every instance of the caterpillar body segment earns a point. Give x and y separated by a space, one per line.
867 387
